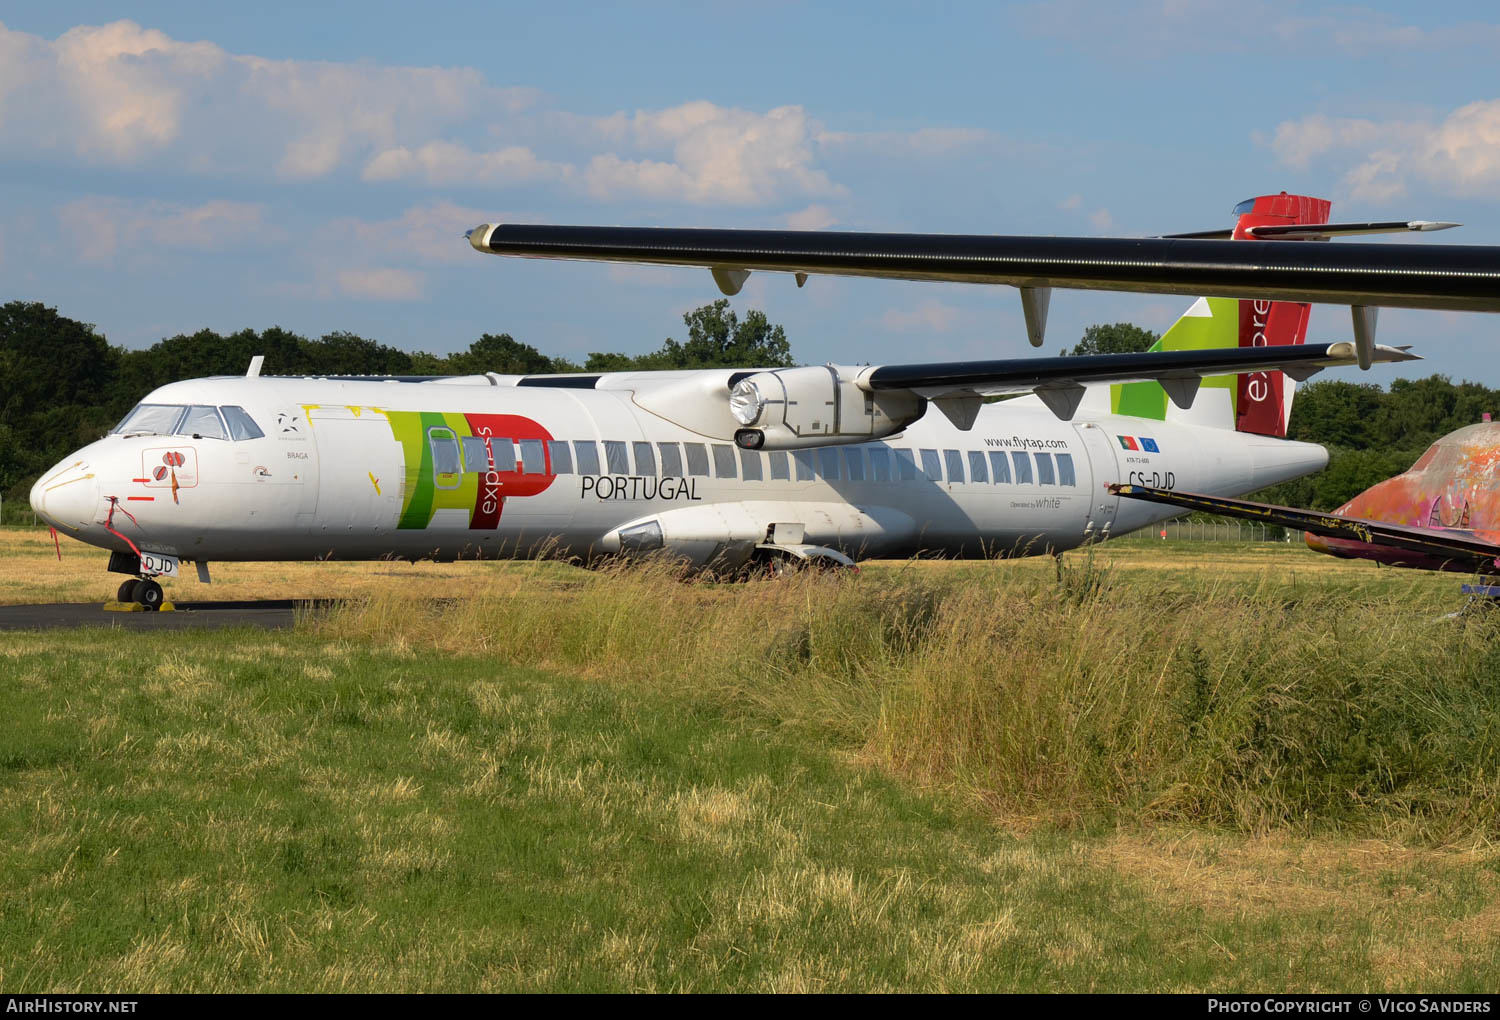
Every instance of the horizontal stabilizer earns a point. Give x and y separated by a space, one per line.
1437 543
1317 231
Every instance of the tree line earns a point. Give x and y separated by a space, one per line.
62 385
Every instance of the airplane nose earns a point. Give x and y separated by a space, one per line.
67 495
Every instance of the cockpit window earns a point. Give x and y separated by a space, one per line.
199 420
241 425
152 420
203 421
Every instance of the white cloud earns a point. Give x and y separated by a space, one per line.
1460 154
1148 29
1102 220
447 163
697 152
430 233
814 217
102 227
124 95
939 143
382 284
930 316
717 155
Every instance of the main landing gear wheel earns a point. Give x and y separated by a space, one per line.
149 594
127 591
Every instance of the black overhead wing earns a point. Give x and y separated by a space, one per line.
1454 277
1452 546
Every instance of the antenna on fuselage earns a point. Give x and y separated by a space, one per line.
253 372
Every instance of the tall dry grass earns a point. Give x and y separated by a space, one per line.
1096 697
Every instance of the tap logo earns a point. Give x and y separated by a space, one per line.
174 468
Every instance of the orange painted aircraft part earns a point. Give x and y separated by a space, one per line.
1454 486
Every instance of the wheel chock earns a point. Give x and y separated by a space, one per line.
136 607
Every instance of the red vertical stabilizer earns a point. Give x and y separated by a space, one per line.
1263 402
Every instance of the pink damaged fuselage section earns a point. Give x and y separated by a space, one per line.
1454 486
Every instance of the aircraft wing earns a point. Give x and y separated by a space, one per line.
1437 544
1024 375
1452 277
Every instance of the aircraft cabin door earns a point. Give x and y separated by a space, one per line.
1104 468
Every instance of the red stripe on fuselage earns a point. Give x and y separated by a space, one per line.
496 486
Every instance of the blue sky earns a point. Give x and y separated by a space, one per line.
170 166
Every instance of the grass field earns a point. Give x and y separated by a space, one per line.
1181 768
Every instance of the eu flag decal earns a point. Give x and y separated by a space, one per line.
1149 445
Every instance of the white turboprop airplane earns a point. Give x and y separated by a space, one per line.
723 468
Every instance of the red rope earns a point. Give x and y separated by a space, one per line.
114 504
55 543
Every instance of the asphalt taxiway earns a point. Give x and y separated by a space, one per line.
274 613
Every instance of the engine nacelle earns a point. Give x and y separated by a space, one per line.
795 408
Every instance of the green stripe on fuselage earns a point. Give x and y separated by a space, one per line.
423 497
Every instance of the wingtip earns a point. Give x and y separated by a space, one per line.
479 237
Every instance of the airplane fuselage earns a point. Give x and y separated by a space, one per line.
354 469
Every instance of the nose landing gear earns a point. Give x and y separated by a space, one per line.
143 591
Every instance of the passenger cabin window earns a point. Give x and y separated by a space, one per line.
503 449
587 452
977 472
723 461
562 463
1044 475
445 467
750 466
828 461
671 459
906 466
614 457
804 459
854 463
1022 464
780 466
930 466
532 458
955 461
880 465
697 459
1001 467
476 454
241 425
645 459
1065 474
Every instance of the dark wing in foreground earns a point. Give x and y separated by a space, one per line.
1442 545
1454 277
